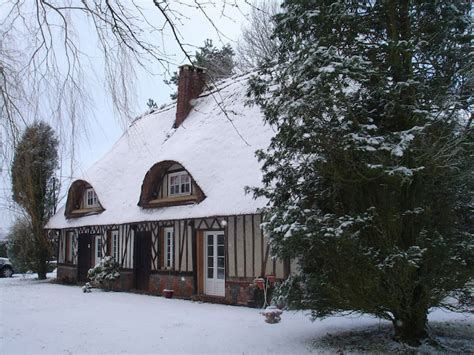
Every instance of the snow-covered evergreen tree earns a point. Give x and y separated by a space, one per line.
370 174
219 64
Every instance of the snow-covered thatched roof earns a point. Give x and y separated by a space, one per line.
216 144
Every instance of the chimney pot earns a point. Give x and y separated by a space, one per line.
190 85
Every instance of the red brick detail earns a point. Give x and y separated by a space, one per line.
182 285
190 85
237 291
125 282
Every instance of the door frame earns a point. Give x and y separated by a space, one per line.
84 259
142 260
215 234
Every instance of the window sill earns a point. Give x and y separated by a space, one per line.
84 212
172 201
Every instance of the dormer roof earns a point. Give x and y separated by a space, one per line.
155 190
76 204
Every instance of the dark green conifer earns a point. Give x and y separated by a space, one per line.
370 174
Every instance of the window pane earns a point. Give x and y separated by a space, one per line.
99 247
210 250
210 273
210 239
220 250
220 239
174 185
220 262
220 273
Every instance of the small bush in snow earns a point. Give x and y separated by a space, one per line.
105 272
86 288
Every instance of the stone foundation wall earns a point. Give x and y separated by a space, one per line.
239 291
125 282
181 284
67 274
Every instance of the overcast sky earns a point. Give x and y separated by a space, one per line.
103 127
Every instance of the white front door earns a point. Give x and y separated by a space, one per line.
215 263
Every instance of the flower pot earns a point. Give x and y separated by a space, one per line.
168 293
272 315
271 278
260 283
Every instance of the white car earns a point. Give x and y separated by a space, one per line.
6 268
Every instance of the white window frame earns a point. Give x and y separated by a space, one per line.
93 196
98 249
114 244
168 247
180 175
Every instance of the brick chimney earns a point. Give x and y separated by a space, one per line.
190 85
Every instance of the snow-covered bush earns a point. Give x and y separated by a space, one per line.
87 287
105 272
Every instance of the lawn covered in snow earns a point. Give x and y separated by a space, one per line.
43 317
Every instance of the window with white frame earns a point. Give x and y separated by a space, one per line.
168 252
90 198
98 249
179 183
114 252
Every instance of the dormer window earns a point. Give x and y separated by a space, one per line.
168 183
90 198
82 200
179 184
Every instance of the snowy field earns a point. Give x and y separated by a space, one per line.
43 317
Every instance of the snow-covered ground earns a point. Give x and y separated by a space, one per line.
43 317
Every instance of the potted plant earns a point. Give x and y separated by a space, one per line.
259 282
271 279
168 293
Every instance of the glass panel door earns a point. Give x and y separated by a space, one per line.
215 263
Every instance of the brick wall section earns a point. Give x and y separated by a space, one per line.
238 291
190 85
125 282
182 285
67 274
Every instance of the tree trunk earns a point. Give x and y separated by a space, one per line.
42 253
412 328
42 269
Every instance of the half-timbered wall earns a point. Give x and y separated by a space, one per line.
247 250
68 246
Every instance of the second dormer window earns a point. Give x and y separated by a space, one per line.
90 198
179 184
